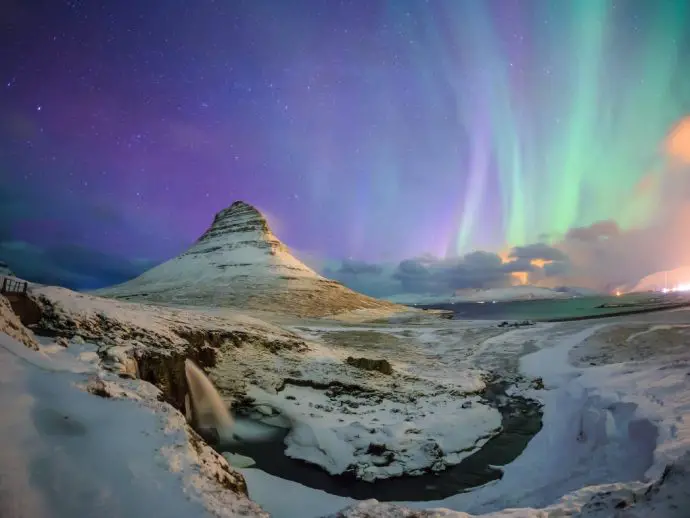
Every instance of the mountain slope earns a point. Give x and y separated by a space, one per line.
239 262
665 279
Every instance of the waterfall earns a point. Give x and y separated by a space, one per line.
207 409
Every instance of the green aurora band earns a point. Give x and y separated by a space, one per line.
569 104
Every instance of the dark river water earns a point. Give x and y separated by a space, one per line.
563 309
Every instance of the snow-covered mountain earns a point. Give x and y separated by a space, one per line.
665 279
512 293
239 262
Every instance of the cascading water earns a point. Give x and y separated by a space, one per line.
210 415
206 410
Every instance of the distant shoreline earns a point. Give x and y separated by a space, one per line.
650 309
540 311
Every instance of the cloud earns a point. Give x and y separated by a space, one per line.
605 255
352 267
424 274
538 251
428 274
474 270
72 266
519 265
594 232
556 268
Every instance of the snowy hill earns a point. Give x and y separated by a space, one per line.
511 293
239 262
666 279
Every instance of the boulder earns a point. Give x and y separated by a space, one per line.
11 325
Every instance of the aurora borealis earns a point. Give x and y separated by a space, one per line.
373 131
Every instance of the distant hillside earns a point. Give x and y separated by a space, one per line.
491 294
664 279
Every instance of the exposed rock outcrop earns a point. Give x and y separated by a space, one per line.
239 262
11 325
152 343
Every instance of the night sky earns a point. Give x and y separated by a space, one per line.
371 131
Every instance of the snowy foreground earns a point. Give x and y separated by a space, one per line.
68 453
615 441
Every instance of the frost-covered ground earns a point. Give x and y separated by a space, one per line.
616 436
410 417
616 396
342 418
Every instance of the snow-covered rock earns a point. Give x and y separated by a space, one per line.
376 435
102 447
152 342
239 262
665 279
12 326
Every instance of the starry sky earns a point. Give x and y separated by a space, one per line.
370 131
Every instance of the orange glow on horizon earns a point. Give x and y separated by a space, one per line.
540 263
522 278
678 142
